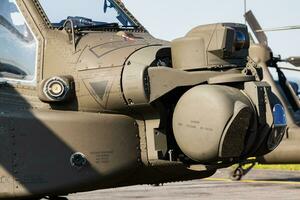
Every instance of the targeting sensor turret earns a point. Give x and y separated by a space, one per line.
212 45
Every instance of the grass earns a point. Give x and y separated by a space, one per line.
294 167
278 167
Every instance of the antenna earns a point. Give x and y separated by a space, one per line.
245 10
283 28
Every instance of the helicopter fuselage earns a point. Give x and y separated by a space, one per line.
117 107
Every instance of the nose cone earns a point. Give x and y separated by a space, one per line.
211 122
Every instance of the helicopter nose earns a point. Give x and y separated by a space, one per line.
214 127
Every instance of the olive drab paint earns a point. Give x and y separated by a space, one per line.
117 107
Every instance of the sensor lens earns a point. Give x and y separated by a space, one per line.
240 40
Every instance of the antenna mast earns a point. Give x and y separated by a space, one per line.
245 10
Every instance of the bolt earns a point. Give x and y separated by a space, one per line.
130 102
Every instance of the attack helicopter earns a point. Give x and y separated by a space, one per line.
287 91
89 100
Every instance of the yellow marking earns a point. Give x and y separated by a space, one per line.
254 181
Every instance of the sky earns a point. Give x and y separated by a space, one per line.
170 19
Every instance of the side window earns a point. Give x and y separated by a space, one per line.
293 76
17 44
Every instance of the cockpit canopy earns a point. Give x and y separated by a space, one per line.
88 14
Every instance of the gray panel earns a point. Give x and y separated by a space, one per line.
99 88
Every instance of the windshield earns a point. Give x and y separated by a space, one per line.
17 44
293 76
104 13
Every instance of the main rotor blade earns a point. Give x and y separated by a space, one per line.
284 28
294 60
255 26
